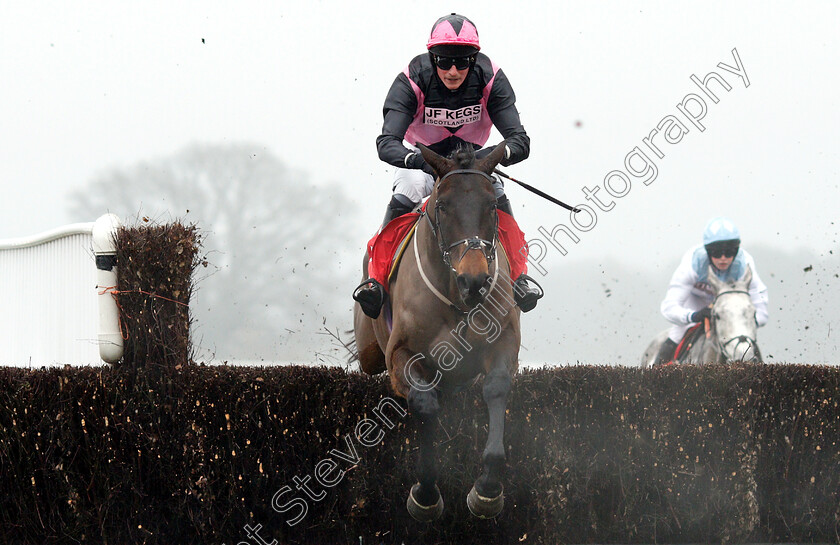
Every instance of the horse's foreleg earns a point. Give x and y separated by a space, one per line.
486 498
711 354
424 501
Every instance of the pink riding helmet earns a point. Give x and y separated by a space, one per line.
455 30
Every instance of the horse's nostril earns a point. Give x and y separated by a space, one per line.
461 281
480 282
470 284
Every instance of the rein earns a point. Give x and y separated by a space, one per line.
434 290
718 296
488 248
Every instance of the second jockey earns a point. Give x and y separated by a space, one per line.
689 296
449 97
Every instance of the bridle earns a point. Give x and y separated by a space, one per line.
740 338
488 248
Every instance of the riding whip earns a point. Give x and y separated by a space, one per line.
533 189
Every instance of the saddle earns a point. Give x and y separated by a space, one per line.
395 262
386 247
695 333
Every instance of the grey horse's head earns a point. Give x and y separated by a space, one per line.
734 319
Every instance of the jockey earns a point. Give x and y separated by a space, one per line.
689 296
446 98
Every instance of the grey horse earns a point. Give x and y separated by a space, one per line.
732 336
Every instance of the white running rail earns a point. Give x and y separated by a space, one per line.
51 310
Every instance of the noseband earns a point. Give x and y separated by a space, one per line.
488 248
474 243
739 338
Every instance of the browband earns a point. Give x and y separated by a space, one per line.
466 171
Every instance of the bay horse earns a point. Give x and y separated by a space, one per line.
453 317
732 333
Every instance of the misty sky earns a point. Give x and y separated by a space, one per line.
108 84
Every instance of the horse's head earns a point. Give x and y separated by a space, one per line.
733 316
462 212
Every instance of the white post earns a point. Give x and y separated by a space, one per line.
104 246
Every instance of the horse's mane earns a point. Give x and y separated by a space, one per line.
463 156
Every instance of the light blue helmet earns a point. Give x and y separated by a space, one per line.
720 229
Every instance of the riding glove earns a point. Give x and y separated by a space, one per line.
415 160
698 316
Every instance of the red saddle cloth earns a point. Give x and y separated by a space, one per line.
384 245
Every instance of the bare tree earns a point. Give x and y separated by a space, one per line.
279 248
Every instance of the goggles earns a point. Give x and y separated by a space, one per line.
460 63
717 252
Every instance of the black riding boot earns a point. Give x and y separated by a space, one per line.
525 296
399 205
503 204
666 352
370 294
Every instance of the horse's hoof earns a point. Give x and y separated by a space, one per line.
485 508
424 513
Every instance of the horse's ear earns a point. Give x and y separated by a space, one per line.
489 163
747 278
714 281
440 164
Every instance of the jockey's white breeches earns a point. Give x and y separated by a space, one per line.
693 303
417 185
677 332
